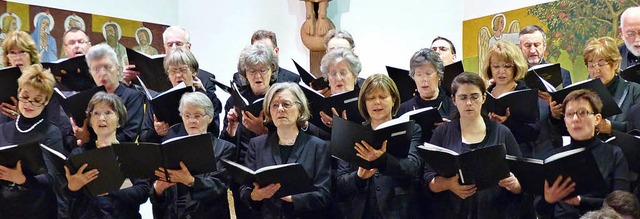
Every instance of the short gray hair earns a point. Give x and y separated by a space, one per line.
300 101
337 55
424 56
181 56
256 54
197 99
339 34
100 51
178 29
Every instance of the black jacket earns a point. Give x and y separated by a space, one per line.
309 151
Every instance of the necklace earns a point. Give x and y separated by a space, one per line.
28 130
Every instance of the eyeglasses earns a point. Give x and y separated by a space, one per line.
631 34
74 42
285 105
473 97
35 102
580 113
196 116
254 72
175 43
441 48
13 54
342 74
106 114
99 68
506 65
174 71
425 75
600 63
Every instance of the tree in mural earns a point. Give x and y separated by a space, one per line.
572 22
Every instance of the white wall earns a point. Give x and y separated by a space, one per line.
160 11
385 32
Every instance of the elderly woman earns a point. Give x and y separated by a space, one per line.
26 195
426 69
19 50
104 67
386 190
105 114
341 68
255 65
199 196
582 116
285 107
469 132
506 66
182 67
602 58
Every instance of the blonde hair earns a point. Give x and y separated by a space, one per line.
38 78
373 83
23 41
508 52
605 47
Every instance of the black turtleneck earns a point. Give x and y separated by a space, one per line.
613 84
26 123
589 143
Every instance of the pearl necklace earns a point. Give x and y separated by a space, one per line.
28 130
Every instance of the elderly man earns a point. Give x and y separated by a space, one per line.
104 67
533 43
629 29
281 74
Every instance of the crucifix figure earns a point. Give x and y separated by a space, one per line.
316 25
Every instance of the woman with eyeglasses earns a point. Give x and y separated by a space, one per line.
340 67
19 50
105 113
582 117
105 68
255 65
506 66
602 58
182 67
471 131
285 106
26 195
194 196
385 191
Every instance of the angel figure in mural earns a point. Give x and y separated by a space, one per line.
112 33
9 22
45 43
72 21
498 25
320 24
144 39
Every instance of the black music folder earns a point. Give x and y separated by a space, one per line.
344 135
484 167
578 164
292 177
140 160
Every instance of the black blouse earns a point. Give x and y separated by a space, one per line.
35 198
